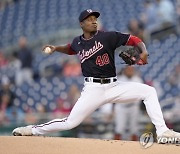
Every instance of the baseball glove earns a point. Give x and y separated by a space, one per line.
131 56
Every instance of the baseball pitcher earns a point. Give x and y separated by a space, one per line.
95 50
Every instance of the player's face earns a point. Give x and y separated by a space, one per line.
129 71
89 24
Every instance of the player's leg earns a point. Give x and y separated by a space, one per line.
86 104
133 112
131 91
120 120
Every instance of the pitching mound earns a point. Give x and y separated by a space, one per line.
55 145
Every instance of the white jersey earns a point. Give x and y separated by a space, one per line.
124 78
126 114
133 79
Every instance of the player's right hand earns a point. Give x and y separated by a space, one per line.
53 48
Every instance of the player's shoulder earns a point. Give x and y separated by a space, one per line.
77 38
136 78
118 32
122 78
106 34
112 33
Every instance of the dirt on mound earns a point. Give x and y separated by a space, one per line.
57 145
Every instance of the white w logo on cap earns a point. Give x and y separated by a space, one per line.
89 10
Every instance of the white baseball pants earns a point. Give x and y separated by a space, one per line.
94 95
127 113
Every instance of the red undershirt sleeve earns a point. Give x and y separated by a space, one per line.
70 50
133 40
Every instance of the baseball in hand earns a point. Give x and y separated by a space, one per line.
47 50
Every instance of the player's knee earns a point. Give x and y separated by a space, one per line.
72 124
151 91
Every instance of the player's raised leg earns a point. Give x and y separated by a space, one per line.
131 91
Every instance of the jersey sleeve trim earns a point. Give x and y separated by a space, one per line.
133 40
70 50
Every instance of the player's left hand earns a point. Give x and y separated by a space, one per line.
143 60
132 56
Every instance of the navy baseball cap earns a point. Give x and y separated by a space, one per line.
86 13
